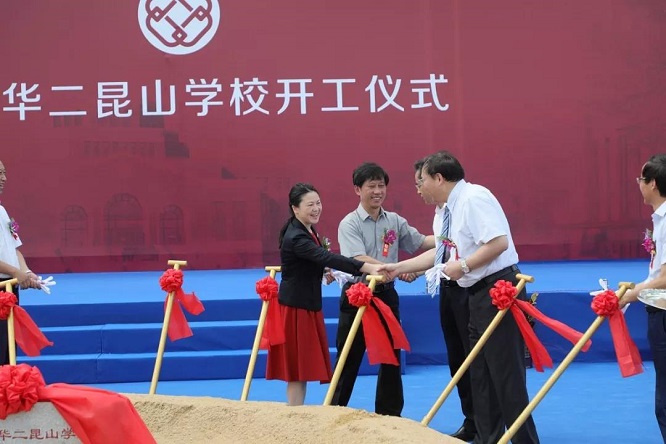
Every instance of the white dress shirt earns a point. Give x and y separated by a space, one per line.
476 219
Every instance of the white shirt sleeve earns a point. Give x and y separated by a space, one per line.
485 219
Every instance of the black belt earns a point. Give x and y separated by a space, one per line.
378 286
383 287
448 283
492 278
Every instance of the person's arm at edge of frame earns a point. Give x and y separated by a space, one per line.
658 282
34 279
22 274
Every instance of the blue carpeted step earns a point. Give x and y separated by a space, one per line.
86 339
221 335
144 338
131 367
110 312
72 369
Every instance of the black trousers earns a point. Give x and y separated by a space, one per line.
454 318
4 344
389 399
657 338
498 372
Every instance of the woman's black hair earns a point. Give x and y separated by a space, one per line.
295 197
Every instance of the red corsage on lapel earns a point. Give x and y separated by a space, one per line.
13 228
388 239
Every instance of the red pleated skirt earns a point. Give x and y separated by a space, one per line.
304 356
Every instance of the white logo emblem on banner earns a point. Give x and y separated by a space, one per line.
179 26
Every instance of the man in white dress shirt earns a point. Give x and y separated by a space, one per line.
484 253
453 317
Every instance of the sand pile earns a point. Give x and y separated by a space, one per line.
203 420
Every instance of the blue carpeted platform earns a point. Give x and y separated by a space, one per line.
105 326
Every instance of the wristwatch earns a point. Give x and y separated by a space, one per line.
463 266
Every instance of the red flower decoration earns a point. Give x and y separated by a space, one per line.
267 288
273 332
7 301
389 236
18 388
606 303
648 242
28 336
13 228
380 342
503 294
359 294
171 280
448 242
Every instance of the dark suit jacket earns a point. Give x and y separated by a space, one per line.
303 262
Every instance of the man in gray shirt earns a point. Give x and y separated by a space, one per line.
371 234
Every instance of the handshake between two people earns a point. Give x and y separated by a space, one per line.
389 271
450 270
368 268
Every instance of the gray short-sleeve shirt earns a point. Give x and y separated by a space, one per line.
359 234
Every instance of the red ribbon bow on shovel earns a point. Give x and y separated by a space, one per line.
503 295
380 347
273 332
172 282
27 334
606 304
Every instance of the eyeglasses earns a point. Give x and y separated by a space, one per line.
644 179
419 183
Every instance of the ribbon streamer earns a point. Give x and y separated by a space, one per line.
606 304
27 334
273 332
380 347
433 278
172 282
46 284
95 416
503 295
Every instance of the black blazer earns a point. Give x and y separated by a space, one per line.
303 262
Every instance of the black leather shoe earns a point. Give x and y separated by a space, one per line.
464 434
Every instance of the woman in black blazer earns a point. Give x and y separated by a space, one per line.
304 355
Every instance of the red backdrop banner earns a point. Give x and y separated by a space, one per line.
134 132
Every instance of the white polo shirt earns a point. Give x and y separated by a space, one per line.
8 244
476 219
